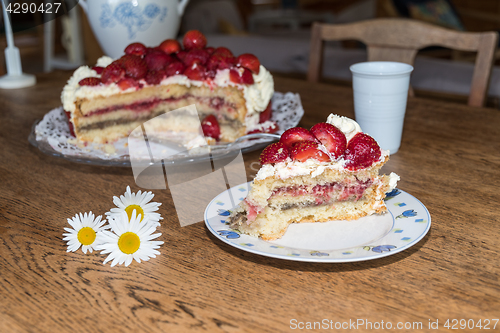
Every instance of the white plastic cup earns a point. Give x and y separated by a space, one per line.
380 95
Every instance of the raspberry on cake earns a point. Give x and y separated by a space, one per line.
328 173
108 101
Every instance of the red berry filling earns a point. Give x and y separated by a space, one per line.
157 60
136 49
316 195
98 69
170 46
194 39
331 137
266 114
274 153
196 72
112 73
325 142
196 61
296 134
302 151
90 81
210 127
127 83
249 61
135 67
70 124
362 151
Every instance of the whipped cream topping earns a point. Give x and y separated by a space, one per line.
312 167
291 168
348 126
69 91
198 141
393 181
104 61
257 95
260 126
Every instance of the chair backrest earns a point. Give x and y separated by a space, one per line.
395 39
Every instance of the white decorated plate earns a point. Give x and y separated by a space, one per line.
51 136
404 225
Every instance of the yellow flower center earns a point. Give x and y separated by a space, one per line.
138 210
129 243
86 236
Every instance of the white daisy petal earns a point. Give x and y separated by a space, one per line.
129 260
152 236
75 222
152 205
146 197
88 237
136 245
107 259
154 216
156 252
119 202
73 247
140 201
115 261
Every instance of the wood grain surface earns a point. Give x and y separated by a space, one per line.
449 159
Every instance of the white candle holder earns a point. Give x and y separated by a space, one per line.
15 78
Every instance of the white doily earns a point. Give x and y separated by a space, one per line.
53 137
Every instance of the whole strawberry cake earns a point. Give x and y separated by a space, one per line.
232 93
330 172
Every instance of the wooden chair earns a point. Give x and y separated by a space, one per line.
395 39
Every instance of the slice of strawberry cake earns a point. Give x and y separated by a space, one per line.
108 101
330 172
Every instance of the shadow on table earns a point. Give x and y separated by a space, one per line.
319 267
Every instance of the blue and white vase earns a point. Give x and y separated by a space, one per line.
117 23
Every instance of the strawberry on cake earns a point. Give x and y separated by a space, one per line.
232 94
330 172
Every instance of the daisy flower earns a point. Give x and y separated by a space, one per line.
130 239
140 202
84 232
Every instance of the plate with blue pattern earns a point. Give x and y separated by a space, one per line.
404 225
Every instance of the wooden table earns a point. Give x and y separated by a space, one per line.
449 160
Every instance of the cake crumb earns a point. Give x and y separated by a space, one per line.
109 149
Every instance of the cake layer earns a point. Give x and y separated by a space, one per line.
262 189
271 223
140 111
144 110
222 100
110 133
330 172
231 93
99 128
273 203
285 198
